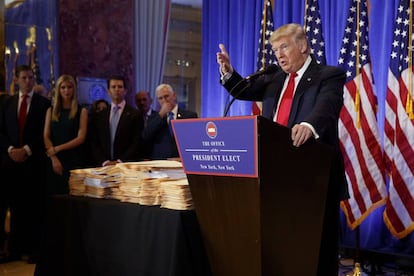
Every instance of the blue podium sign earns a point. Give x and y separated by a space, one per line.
218 146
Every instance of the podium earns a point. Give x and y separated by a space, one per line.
261 221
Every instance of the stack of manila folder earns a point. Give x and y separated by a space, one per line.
161 182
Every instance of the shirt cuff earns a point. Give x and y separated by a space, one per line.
28 150
224 77
315 134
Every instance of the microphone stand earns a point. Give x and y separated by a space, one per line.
226 110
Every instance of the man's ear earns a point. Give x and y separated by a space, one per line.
304 48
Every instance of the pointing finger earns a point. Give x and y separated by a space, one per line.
222 48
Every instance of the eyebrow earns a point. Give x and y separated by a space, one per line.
283 45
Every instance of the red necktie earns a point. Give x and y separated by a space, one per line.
22 117
286 102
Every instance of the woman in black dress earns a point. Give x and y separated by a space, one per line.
65 131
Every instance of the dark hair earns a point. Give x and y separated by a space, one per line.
22 68
94 106
116 77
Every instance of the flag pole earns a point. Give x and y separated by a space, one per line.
264 18
305 14
357 261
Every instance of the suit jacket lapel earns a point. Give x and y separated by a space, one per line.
303 85
305 81
105 126
124 115
14 108
32 107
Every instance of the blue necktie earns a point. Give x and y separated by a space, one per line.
170 117
114 125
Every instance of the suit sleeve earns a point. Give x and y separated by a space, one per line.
133 150
154 125
35 124
98 137
247 91
328 103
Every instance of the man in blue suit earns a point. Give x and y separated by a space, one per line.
158 129
23 162
306 97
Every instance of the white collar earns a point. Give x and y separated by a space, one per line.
304 67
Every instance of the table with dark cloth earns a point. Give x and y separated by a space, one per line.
88 236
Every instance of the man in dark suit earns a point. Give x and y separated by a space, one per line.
158 129
143 101
306 97
23 160
117 132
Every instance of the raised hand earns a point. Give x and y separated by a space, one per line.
223 60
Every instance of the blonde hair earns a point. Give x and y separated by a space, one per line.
57 99
291 30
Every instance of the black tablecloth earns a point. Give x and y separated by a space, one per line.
87 236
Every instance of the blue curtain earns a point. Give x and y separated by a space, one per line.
237 26
151 36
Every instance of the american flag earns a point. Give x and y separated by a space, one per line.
265 55
399 128
313 29
358 130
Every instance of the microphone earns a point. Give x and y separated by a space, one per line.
273 68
